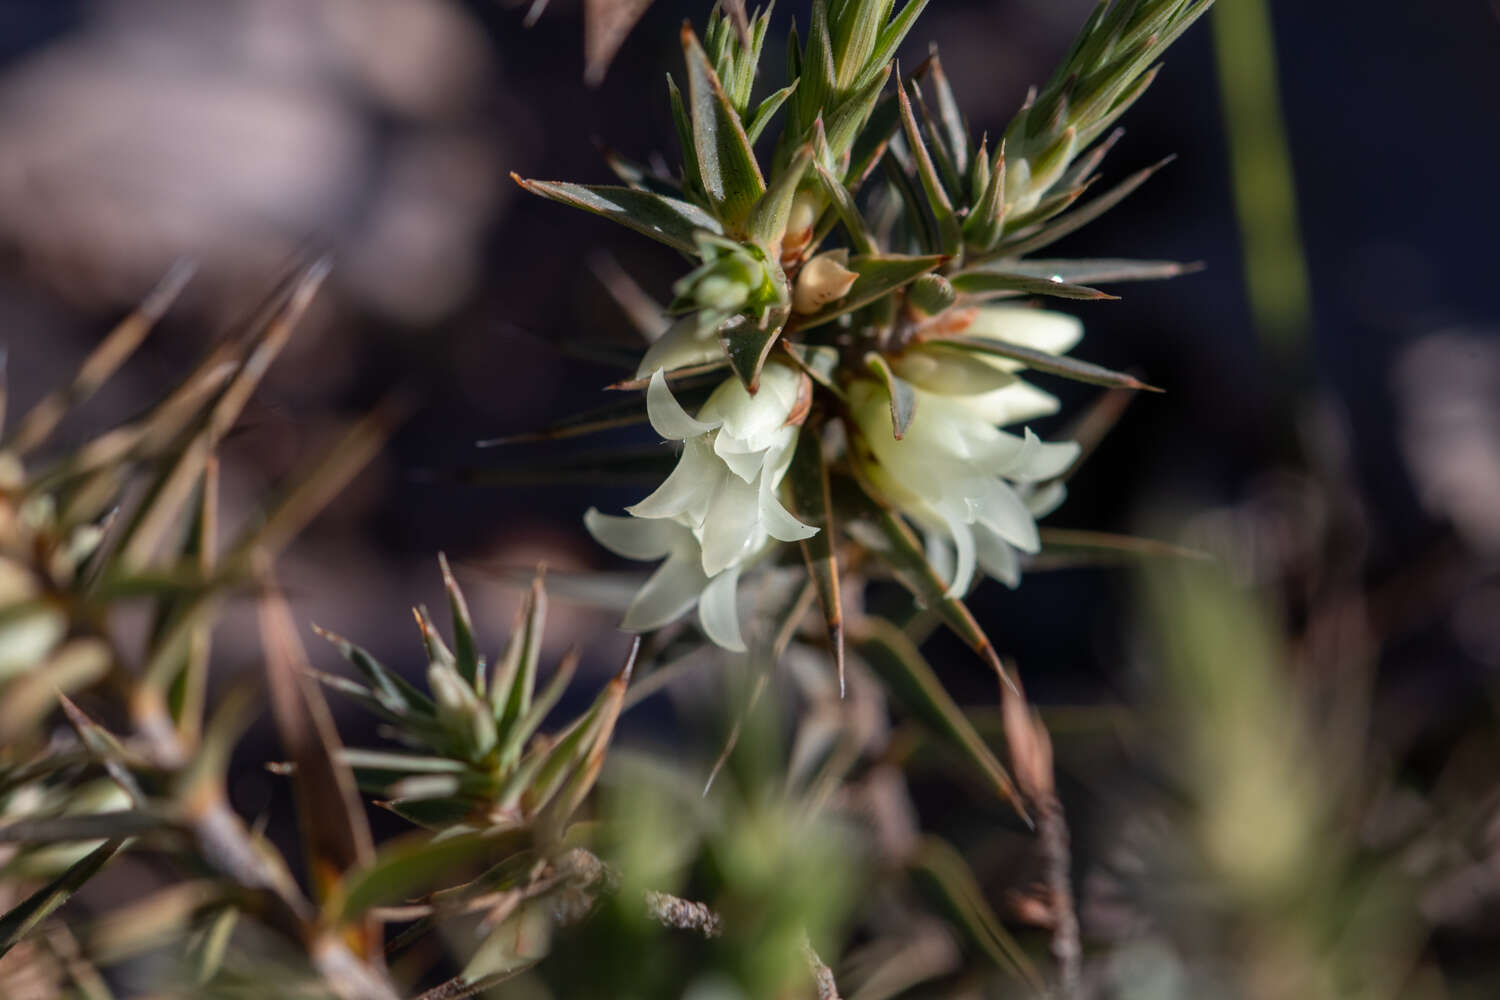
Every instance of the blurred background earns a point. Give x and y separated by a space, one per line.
1330 427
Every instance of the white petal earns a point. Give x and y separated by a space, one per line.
667 416
1045 461
997 558
1038 329
731 530
669 594
1044 500
743 460
718 610
687 491
1014 404
1000 509
776 519
963 544
631 537
939 554
950 371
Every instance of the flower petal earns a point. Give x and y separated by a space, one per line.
1014 404
997 557
633 538
1038 329
685 493
731 530
776 519
963 544
718 610
669 594
667 416
1000 509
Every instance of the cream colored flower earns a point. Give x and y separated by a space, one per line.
719 508
975 490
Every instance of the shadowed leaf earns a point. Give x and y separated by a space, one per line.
946 877
669 220
911 681
1052 364
31 911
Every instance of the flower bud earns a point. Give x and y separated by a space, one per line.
806 207
733 277
824 279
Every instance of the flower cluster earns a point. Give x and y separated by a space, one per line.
847 288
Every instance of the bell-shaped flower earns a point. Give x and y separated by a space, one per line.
974 489
719 509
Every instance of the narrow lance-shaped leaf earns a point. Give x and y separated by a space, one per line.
667 220
766 110
1086 269
554 822
911 681
31 911
943 872
726 164
932 185
513 742
986 284
515 673
102 362
892 35
848 213
879 275
902 396
335 832
393 691
808 480
404 868
465 650
1053 364
768 218
1080 217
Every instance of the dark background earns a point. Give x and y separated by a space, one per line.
132 133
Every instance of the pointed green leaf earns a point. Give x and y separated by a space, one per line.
404 868
909 679
726 164
767 222
843 123
843 203
983 284
893 34
22 918
903 397
949 233
513 742
1080 217
946 877
392 690
748 342
515 673
766 110
465 650
668 220
1105 269
1071 368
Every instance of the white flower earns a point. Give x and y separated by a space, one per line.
718 509
974 489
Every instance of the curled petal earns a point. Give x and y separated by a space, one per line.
997 558
1000 509
718 610
685 493
633 538
963 544
689 341
667 416
1044 500
776 519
